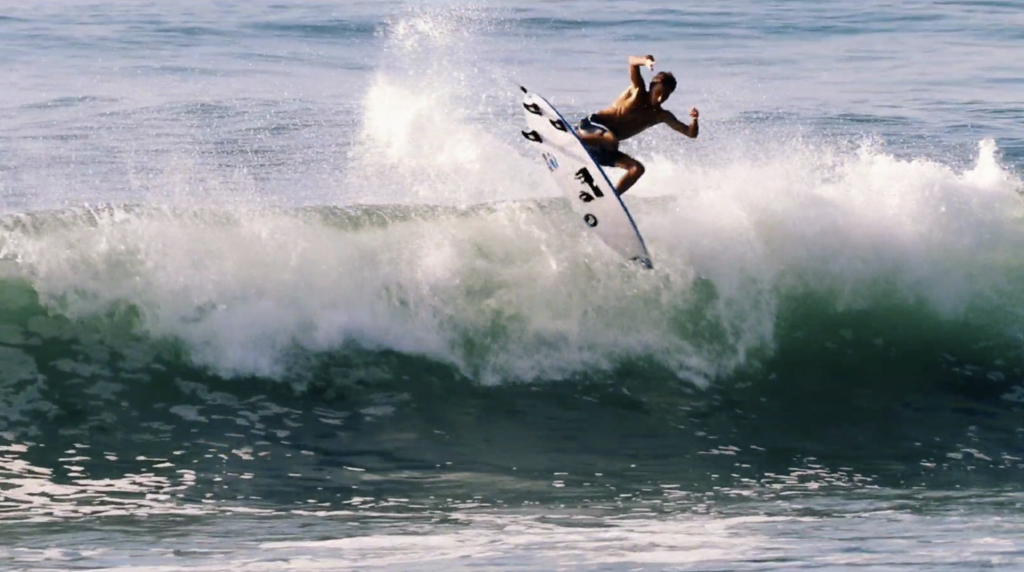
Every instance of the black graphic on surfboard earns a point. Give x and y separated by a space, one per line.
584 176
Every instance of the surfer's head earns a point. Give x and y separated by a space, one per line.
662 86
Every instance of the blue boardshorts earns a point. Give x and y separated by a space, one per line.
602 156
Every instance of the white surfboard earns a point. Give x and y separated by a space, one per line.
582 180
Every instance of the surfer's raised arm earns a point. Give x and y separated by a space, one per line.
635 63
691 130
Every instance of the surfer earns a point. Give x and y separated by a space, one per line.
636 109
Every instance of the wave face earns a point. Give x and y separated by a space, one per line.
514 291
861 316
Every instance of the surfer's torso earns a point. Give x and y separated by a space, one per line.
630 114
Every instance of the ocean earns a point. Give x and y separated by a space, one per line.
283 288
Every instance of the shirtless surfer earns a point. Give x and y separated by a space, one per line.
637 109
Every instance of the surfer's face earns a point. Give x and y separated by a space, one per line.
659 92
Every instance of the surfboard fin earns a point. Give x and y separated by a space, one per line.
524 89
532 136
644 261
558 124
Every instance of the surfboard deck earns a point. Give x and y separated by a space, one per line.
583 181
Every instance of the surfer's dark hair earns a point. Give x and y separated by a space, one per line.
666 79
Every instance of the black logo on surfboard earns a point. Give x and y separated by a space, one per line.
590 219
584 176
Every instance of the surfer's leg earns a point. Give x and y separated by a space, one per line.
604 140
596 135
634 170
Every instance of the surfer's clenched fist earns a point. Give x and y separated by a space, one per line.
645 61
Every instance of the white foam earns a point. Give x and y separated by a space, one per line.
518 291
428 124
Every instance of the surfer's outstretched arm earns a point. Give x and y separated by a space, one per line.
691 130
635 63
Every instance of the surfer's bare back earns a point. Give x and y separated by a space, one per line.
634 111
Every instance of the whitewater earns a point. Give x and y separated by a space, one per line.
281 285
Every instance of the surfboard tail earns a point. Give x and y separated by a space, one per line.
644 262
